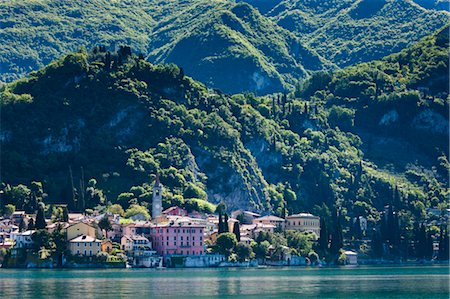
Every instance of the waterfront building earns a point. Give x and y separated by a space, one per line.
304 222
107 246
79 229
22 239
85 245
351 257
17 217
273 220
181 235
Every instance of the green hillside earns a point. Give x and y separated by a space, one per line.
210 40
351 139
348 32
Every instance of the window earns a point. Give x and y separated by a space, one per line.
175 238
193 237
175 243
78 244
167 243
167 238
193 231
181 238
167 230
181 243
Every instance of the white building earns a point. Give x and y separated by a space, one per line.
23 240
304 222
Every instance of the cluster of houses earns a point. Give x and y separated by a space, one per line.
172 232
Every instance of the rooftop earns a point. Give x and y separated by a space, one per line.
303 215
84 239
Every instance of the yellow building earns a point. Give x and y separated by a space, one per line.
80 229
85 245
304 222
107 246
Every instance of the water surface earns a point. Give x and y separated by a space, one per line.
343 282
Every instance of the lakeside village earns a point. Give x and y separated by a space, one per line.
173 238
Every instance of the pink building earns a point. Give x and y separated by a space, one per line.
181 236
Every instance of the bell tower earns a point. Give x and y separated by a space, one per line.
157 198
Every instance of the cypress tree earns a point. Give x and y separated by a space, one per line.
30 224
323 239
225 224
220 228
65 215
22 225
40 218
237 231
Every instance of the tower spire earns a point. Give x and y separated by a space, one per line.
157 182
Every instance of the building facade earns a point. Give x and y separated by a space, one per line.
85 245
304 222
181 236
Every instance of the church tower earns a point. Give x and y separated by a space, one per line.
157 199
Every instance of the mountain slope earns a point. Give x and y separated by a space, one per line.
211 39
348 32
347 139
206 38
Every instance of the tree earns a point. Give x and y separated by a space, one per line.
237 231
261 249
220 225
40 218
336 236
225 223
116 209
377 244
136 209
105 224
226 242
323 238
22 225
65 214
30 224
9 210
221 208
244 252
58 237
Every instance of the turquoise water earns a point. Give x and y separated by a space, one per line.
344 282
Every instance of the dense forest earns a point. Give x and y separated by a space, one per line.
272 42
93 128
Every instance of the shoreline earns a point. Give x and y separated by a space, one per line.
362 264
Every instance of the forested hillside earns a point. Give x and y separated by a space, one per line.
348 32
272 47
354 140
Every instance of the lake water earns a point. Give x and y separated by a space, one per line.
344 282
